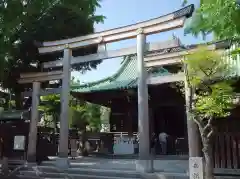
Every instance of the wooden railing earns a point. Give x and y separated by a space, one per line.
226 150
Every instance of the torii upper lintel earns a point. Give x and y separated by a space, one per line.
160 24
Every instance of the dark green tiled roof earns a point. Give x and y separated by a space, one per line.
125 77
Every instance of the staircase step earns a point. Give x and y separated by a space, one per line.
90 166
70 175
48 163
97 172
167 166
166 175
105 172
35 177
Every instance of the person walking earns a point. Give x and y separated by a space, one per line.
163 142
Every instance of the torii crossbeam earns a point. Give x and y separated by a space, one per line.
152 58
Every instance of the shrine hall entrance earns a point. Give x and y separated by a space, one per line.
169 116
171 120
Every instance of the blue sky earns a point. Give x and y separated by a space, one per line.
124 12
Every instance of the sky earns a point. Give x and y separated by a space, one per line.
125 12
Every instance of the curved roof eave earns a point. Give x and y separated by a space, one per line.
125 77
109 78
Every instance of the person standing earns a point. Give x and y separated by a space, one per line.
163 142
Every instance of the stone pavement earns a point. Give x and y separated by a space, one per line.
115 168
163 168
160 165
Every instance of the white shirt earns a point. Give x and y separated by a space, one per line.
163 137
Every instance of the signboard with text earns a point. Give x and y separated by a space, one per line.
123 145
196 168
19 143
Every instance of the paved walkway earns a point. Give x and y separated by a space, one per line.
127 164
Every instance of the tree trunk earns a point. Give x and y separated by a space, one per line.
207 133
209 165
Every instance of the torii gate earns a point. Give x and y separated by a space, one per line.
140 30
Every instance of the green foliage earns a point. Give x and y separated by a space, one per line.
23 24
81 113
235 52
218 16
79 118
214 97
205 66
50 104
94 120
87 114
216 103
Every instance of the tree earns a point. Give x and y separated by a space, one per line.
210 97
87 118
94 120
87 115
36 21
82 113
219 17
50 106
105 115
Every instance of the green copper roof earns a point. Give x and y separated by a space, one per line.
124 78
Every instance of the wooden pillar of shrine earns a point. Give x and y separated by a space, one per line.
63 162
144 162
32 140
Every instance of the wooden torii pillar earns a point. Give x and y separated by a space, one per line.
36 79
